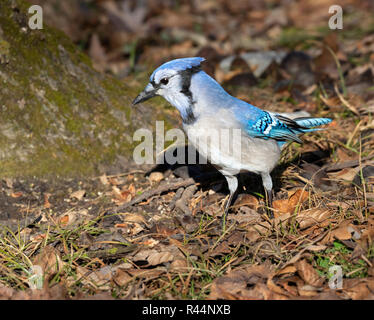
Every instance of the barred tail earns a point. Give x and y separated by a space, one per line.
312 122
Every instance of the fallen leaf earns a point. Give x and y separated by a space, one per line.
289 205
281 207
310 217
245 199
359 289
120 196
153 257
178 264
16 194
150 242
245 284
308 274
130 228
249 216
78 194
64 220
156 176
342 233
97 53
104 179
122 276
50 261
74 217
134 217
287 269
157 258
347 174
47 204
98 279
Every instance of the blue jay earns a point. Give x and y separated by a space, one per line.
204 105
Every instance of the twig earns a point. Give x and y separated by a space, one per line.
345 102
167 187
347 164
124 174
112 253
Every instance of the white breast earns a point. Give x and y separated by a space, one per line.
227 147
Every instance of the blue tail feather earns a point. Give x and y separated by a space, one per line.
311 122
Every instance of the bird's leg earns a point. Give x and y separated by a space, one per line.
269 194
232 182
268 186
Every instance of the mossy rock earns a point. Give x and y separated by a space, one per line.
58 115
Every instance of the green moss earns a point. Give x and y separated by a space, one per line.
59 116
4 51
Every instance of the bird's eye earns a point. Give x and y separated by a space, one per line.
164 81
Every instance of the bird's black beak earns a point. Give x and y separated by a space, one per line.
148 93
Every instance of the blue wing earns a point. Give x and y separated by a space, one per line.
280 128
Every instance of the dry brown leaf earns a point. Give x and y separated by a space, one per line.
97 53
156 176
281 207
287 269
289 205
153 257
246 199
232 286
308 291
130 228
162 230
47 204
274 288
150 242
252 235
342 233
79 194
74 217
316 248
98 279
308 274
134 217
104 179
56 292
122 277
16 194
236 284
289 284
64 220
346 174
221 249
308 218
157 258
358 289
50 261
250 216
132 189
179 264
123 195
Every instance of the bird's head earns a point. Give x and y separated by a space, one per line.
172 81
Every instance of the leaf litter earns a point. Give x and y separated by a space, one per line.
157 235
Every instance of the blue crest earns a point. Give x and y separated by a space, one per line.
178 65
